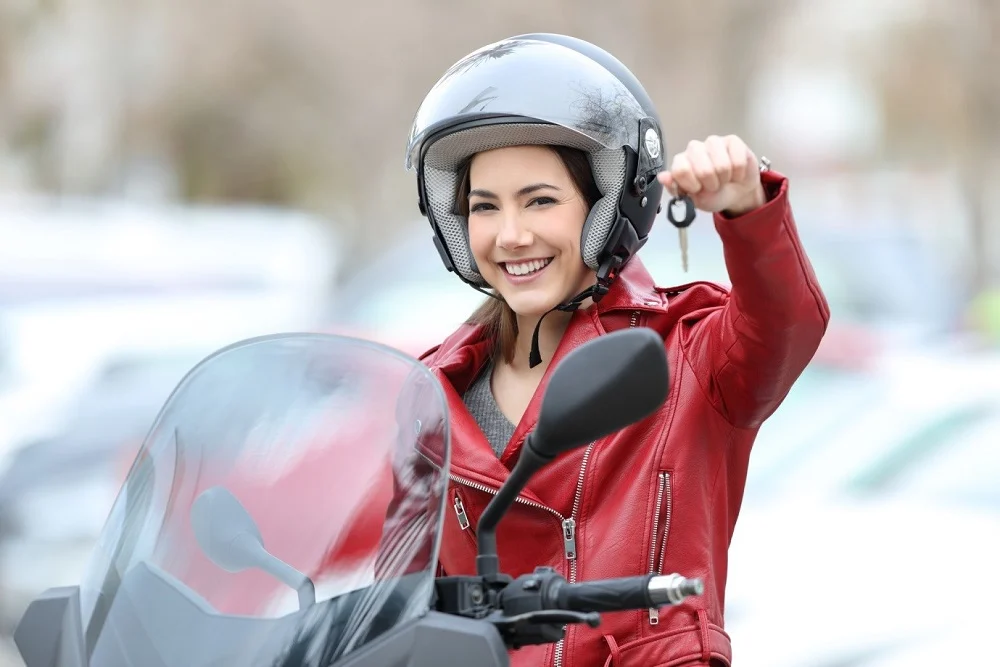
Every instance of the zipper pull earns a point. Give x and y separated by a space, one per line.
463 518
569 538
654 616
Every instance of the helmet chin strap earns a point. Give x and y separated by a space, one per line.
605 275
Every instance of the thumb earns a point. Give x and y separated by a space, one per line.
667 180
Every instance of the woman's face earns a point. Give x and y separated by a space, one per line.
526 217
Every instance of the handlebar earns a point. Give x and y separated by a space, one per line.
535 608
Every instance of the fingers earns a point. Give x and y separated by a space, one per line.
743 160
718 152
666 178
706 167
702 167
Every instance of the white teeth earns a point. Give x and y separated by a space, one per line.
524 268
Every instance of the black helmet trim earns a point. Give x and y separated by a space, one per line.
443 154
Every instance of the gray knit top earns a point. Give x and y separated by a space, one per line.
483 407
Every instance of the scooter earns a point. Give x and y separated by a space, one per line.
265 423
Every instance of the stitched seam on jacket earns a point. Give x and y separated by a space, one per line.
724 459
813 290
701 386
800 256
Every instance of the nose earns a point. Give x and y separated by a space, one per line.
513 234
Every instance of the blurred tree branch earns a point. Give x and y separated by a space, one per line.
979 58
942 104
308 102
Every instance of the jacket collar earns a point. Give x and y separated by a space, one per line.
461 357
633 289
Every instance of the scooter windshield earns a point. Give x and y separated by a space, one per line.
285 509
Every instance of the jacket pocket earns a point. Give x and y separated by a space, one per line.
686 644
663 510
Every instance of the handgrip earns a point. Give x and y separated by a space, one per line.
605 595
641 592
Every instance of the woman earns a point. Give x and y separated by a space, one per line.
540 167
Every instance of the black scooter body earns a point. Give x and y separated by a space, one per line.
50 635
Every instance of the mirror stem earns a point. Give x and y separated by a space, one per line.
307 593
528 463
284 573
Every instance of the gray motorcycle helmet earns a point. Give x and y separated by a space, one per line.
542 89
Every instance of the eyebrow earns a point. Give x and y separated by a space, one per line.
526 190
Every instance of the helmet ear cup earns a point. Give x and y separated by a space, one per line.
610 170
588 227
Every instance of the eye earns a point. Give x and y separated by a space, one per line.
541 201
481 206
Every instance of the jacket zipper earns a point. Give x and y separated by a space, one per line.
656 566
560 649
463 518
666 525
568 525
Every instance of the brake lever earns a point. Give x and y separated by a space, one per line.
549 616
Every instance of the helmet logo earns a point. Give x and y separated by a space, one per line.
652 143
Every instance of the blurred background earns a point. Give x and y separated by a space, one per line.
178 175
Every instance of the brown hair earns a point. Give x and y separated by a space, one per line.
498 319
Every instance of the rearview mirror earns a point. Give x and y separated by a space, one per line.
225 531
229 536
599 388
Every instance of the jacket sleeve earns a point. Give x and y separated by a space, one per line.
407 542
748 353
419 477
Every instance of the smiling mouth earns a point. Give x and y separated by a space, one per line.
525 268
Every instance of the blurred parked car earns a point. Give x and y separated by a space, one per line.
58 346
56 495
404 297
80 277
957 465
56 492
878 545
865 584
88 247
58 479
885 282
914 405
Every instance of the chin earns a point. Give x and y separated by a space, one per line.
531 305
536 304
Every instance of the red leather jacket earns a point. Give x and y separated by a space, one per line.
662 495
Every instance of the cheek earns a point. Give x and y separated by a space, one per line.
481 239
567 229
